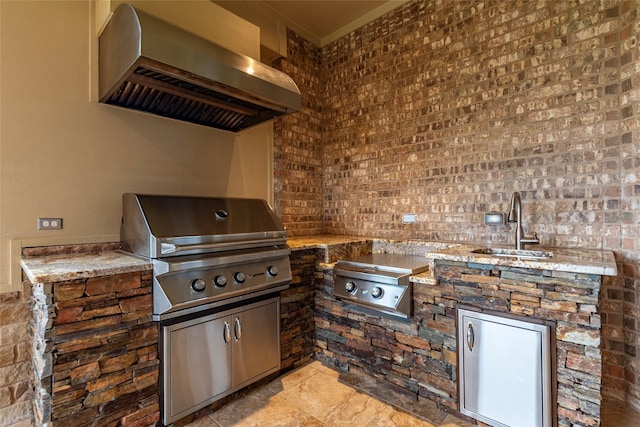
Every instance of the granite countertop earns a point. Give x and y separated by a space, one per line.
59 268
323 241
63 267
588 261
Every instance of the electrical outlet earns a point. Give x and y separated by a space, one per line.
494 218
409 218
49 223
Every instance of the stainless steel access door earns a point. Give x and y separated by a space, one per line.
207 358
505 370
199 363
256 346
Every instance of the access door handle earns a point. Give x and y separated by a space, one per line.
237 329
470 337
226 333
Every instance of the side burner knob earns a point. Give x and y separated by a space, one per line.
239 277
220 281
350 287
376 292
198 285
272 271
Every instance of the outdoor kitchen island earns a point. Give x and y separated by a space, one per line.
414 363
411 364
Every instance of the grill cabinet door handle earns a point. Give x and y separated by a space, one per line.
226 334
237 330
470 337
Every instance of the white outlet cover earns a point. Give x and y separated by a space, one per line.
409 218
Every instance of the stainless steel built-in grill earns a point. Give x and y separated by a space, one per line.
379 282
205 251
218 265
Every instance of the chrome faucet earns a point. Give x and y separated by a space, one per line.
515 215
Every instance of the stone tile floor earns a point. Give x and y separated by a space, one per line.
617 414
312 396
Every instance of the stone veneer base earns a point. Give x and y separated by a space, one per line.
85 366
418 359
95 348
95 351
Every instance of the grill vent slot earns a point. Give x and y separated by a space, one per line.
158 93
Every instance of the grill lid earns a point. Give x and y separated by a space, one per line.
149 65
380 264
158 226
378 282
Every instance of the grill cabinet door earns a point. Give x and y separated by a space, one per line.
505 370
256 343
200 363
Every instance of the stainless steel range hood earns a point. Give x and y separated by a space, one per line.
149 65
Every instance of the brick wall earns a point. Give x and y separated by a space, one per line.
15 360
298 145
443 108
629 292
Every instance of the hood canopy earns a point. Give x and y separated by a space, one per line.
149 65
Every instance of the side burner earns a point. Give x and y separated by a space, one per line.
379 282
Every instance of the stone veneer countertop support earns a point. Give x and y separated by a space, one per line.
94 345
330 248
419 360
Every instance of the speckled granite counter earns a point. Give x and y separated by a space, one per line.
406 247
587 261
53 268
59 268
323 241
340 247
332 247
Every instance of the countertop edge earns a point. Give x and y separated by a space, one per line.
62 268
58 268
599 262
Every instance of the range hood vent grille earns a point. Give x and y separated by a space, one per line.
154 92
149 65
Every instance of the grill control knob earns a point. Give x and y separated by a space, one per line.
350 287
376 292
198 285
272 271
220 281
239 277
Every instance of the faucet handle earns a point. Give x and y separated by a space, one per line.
531 240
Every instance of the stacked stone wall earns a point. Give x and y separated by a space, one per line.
96 352
15 360
297 327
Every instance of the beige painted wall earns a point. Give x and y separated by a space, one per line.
62 155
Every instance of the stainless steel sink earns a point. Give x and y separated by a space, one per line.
514 253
